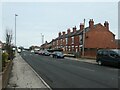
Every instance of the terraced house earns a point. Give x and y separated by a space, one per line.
92 38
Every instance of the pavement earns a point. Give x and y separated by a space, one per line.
93 61
0 80
23 76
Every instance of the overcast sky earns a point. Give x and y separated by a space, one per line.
49 18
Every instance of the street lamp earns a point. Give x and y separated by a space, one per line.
42 37
15 28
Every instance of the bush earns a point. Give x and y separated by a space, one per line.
4 58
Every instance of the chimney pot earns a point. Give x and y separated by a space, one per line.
74 29
81 26
63 33
106 24
91 24
68 31
59 34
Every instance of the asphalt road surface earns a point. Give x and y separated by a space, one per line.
64 73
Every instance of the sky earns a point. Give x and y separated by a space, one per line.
50 18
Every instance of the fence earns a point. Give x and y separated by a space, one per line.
6 74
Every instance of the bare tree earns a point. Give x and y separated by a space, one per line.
8 36
8 46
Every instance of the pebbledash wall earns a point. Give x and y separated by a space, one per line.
97 36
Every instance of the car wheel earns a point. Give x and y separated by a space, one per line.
56 57
99 63
53 56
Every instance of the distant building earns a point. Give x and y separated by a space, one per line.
96 37
0 44
118 43
34 48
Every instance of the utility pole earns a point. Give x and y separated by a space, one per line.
83 47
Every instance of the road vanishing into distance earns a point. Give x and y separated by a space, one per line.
65 73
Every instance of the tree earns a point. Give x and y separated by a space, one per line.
8 46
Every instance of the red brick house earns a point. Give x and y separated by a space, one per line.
96 37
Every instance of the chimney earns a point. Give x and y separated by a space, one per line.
59 34
46 42
106 24
63 33
91 24
68 31
81 26
74 29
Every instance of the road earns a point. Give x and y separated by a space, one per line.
64 73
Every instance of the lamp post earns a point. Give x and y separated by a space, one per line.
42 37
15 28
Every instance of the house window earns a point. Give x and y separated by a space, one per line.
60 41
66 41
66 48
76 50
72 48
72 40
81 39
57 42
63 40
53 43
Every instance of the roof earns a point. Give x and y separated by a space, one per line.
78 32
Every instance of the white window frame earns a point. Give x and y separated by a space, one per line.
80 36
57 42
81 39
60 41
66 40
72 40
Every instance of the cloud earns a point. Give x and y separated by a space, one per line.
59 0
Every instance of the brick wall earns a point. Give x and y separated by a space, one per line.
99 37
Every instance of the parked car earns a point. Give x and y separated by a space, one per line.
32 51
19 50
40 52
108 56
57 54
69 55
46 53
36 51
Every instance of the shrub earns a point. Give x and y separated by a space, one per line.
4 58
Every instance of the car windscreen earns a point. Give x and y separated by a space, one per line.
59 53
117 51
